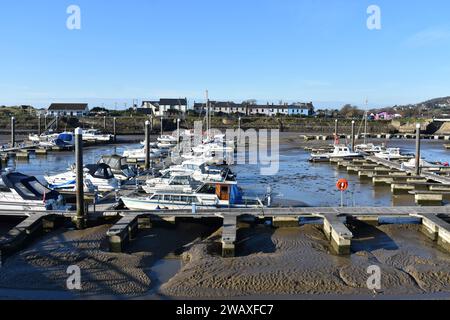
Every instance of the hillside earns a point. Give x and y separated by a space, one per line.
437 102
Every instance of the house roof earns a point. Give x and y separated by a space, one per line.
167 102
68 106
173 102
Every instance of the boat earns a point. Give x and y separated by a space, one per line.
43 137
172 182
94 135
19 192
167 139
392 154
212 153
369 148
64 140
119 167
100 175
339 152
140 154
201 171
411 164
207 196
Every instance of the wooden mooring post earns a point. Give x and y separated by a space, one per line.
80 219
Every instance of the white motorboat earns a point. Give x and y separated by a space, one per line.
43 137
171 182
19 192
100 175
207 196
200 171
167 139
411 164
391 154
139 154
369 148
119 167
94 135
211 153
340 151
64 140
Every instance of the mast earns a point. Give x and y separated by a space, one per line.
365 123
207 112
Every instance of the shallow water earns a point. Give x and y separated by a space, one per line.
296 181
314 184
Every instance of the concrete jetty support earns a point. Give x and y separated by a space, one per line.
229 231
436 229
338 234
123 231
285 222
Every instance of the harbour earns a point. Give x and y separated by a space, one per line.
339 226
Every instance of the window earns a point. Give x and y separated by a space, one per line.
208 189
38 187
181 181
24 190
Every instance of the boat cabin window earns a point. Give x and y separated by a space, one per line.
180 181
157 197
166 175
24 190
36 185
208 189
103 172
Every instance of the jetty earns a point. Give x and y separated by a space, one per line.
333 221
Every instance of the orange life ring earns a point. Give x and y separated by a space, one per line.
342 184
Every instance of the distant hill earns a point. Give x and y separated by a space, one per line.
437 102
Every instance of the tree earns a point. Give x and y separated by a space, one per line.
349 111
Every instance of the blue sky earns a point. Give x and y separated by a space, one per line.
300 50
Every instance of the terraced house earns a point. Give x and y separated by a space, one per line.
297 109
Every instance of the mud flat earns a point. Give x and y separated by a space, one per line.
296 262
40 270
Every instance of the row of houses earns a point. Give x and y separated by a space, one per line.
164 107
300 109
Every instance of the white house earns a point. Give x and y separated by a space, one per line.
163 106
68 109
